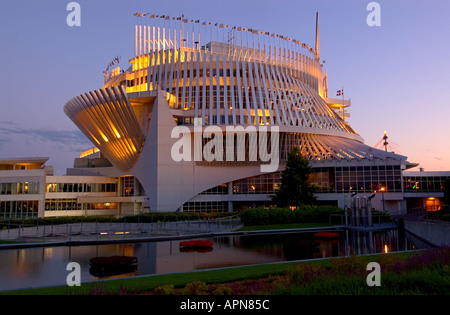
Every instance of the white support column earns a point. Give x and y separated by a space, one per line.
166 67
135 41
205 55
218 89
210 80
239 90
261 96
177 86
169 86
233 101
225 95
183 91
197 84
191 77
247 100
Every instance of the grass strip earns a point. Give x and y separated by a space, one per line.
148 283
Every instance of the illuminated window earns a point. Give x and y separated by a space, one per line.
128 186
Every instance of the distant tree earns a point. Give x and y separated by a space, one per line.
295 188
447 192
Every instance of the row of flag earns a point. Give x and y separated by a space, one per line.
113 62
238 28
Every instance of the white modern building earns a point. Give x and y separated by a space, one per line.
22 185
203 119
28 189
174 118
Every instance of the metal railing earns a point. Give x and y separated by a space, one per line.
339 219
429 213
113 230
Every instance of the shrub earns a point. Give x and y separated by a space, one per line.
222 289
303 214
349 266
166 289
195 288
306 273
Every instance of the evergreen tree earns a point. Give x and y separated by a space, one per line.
295 188
447 192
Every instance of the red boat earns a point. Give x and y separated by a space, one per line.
196 243
326 235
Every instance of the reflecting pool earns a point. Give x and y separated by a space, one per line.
46 266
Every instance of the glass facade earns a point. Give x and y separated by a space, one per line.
72 204
368 178
62 204
131 187
19 209
323 179
365 179
128 186
218 190
262 184
21 188
205 206
424 183
81 187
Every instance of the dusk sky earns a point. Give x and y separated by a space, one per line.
397 75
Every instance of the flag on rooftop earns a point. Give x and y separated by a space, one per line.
340 93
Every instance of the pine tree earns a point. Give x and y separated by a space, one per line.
295 188
447 192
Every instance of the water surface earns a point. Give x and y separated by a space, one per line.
46 266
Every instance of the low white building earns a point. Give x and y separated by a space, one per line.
28 189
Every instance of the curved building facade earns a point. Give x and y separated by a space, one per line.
206 113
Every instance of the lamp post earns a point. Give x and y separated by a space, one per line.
353 194
369 210
383 189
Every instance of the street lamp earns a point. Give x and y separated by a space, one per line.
382 189
353 194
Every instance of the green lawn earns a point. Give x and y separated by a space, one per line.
145 284
177 279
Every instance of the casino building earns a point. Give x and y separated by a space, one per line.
200 100
202 119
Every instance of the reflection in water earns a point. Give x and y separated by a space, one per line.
36 267
112 265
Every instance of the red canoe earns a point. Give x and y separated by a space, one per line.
196 243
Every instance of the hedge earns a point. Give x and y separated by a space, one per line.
152 217
303 214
